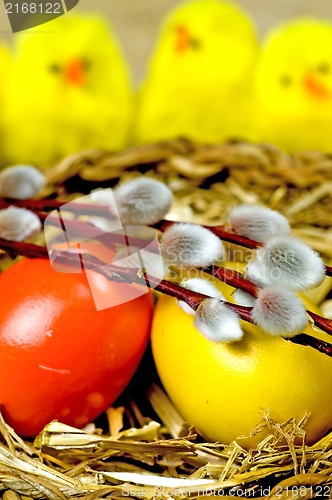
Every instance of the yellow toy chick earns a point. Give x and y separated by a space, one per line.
69 90
5 65
294 86
5 61
199 80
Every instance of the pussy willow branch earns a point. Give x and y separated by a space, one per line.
229 276
25 249
318 344
90 231
46 205
220 231
112 240
193 299
133 275
99 210
129 275
230 237
233 278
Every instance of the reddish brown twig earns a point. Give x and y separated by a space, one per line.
324 324
129 275
314 342
235 279
47 205
224 234
89 231
193 299
24 249
102 211
232 278
328 271
229 276
219 231
112 239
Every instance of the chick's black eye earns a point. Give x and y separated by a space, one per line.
285 80
324 68
86 64
195 44
54 68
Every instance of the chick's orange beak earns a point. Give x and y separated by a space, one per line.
315 88
74 72
182 40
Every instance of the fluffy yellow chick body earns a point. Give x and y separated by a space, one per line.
294 86
69 90
5 61
199 80
5 66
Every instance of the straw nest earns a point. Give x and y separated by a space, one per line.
208 180
161 459
146 450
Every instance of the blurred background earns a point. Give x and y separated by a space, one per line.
136 22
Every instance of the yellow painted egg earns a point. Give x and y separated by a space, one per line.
224 389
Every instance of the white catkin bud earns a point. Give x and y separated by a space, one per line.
152 262
199 285
217 322
106 225
257 223
190 245
21 182
18 224
287 262
101 197
243 298
142 201
279 312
